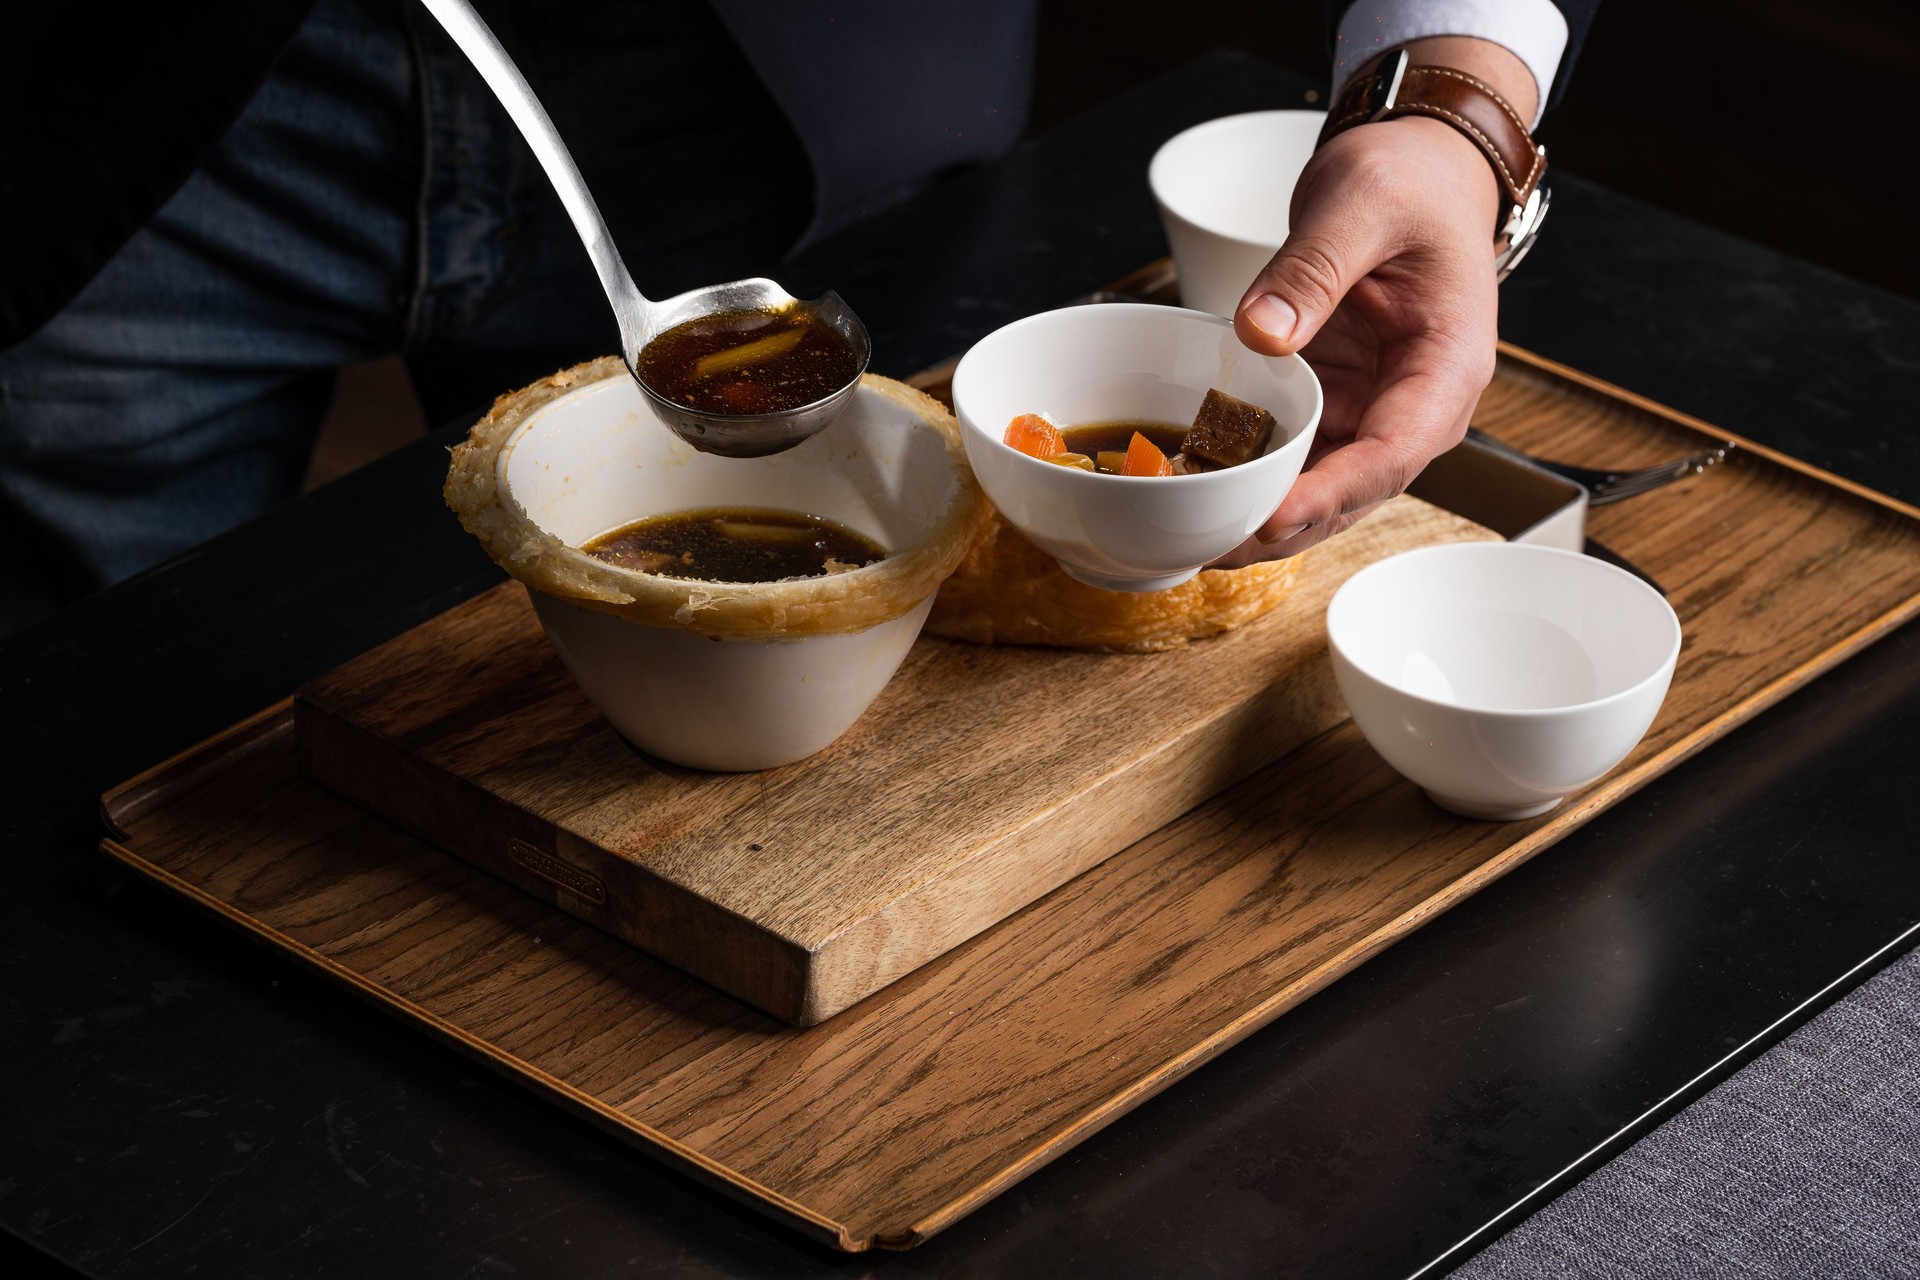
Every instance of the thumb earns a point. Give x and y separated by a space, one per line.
1326 253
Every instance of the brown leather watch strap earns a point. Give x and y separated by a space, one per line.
1393 87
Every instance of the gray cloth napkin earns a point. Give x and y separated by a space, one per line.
1806 1163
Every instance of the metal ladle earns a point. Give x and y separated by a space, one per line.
640 318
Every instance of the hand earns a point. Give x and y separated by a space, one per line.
1386 285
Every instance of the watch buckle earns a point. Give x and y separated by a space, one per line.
1384 90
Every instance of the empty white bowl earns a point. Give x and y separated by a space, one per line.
1501 676
1082 365
717 675
1224 189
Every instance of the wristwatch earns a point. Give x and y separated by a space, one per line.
1395 87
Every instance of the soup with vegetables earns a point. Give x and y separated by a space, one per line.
1225 433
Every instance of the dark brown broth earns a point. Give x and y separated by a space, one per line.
817 364
1093 438
736 544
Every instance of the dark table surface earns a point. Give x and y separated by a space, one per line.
179 1101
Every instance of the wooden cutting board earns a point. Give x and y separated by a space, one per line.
981 779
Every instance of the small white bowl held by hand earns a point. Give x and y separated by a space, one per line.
717 675
1501 676
1088 364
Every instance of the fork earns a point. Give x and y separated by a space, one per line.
1612 486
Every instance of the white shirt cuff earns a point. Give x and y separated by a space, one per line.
1535 31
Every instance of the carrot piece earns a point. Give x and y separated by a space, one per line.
1145 459
1034 435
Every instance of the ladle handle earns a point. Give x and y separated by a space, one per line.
483 49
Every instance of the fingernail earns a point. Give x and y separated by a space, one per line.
1272 317
1289 532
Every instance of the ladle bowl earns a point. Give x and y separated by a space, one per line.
640 318
748 435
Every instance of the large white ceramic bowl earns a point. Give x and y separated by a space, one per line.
723 676
1091 364
1224 189
1501 676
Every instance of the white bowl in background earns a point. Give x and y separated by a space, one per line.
1501 676
721 676
1088 364
1224 189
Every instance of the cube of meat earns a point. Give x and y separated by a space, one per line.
1227 432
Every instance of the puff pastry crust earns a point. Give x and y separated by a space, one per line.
1008 591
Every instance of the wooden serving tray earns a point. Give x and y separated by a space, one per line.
894 1119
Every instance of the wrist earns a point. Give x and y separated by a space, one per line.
1401 85
1455 170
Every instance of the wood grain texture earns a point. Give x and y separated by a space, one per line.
981 779
891 1121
